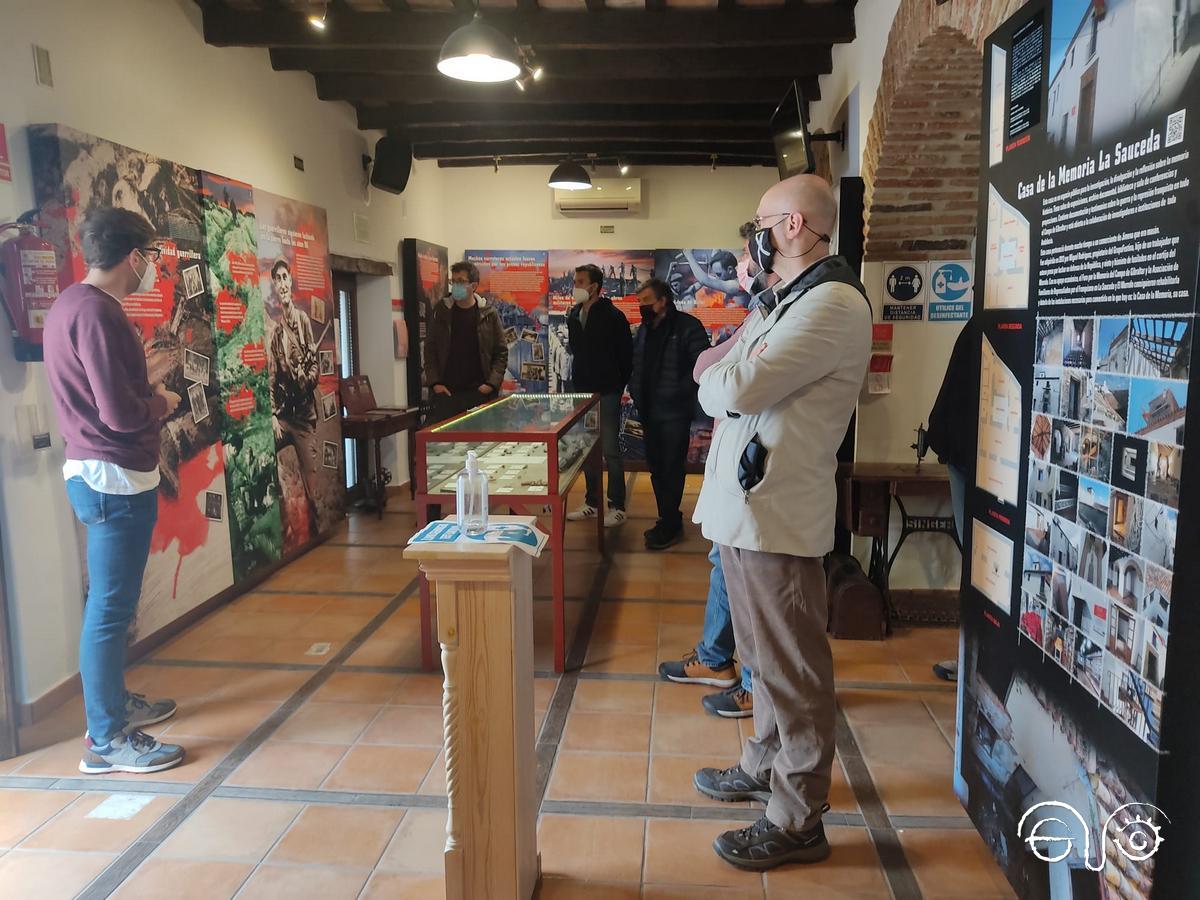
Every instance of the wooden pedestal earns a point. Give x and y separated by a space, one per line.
485 627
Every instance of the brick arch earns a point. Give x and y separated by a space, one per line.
921 162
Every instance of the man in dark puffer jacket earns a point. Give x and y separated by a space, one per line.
664 353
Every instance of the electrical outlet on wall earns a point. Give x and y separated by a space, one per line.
42 72
31 429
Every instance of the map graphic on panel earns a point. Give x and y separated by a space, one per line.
998 467
1007 282
73 174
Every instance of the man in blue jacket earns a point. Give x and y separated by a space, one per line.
664 353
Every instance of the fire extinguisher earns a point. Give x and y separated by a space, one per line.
29 279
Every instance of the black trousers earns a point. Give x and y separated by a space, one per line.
666 456
445 407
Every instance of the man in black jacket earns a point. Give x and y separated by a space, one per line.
664 353
953 433
602 349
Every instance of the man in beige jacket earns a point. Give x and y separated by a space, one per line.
786 393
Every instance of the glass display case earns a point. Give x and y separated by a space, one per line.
533 448
530 445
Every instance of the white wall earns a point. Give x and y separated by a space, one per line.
887 425
682 207
143 76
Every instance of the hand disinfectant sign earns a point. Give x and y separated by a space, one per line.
950 286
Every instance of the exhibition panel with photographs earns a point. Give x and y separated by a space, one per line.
1089 258
240 325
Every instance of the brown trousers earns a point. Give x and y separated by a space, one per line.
780 611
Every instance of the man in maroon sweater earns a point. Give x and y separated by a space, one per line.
111 417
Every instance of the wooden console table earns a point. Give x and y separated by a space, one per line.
485 628
865 494
374 427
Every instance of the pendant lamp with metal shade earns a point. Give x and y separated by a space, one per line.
479 52
570 176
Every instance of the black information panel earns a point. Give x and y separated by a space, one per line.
1072 760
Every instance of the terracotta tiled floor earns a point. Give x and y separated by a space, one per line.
340 791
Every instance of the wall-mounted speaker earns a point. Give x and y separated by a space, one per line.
393 164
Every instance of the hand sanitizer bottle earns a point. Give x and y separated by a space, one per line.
472 496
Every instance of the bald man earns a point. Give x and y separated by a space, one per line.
785 393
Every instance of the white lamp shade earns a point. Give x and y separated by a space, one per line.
570 176
478 52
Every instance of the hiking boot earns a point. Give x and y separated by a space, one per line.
690 670
735 703
947 670
613 517
764 845
731 785
661 536
135 752
585 512
140 712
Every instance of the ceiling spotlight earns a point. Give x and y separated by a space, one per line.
522 83
480 53
496 164
318 22
623 166
570 176
537 73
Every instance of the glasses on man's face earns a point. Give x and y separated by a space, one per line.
758 220
153 254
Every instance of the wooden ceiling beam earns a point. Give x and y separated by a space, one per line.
646 134
435 88
634 159
401 116
603 29
579 149
766 61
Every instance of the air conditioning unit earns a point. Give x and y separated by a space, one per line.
607 197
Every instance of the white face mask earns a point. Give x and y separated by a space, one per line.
582 295
148 277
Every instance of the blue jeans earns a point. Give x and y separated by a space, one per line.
118 545
716 645
610 443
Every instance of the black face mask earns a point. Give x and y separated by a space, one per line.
762 251
762 248
648 314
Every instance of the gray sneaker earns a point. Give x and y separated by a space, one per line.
140 712
135 752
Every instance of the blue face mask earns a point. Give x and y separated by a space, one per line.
460 291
